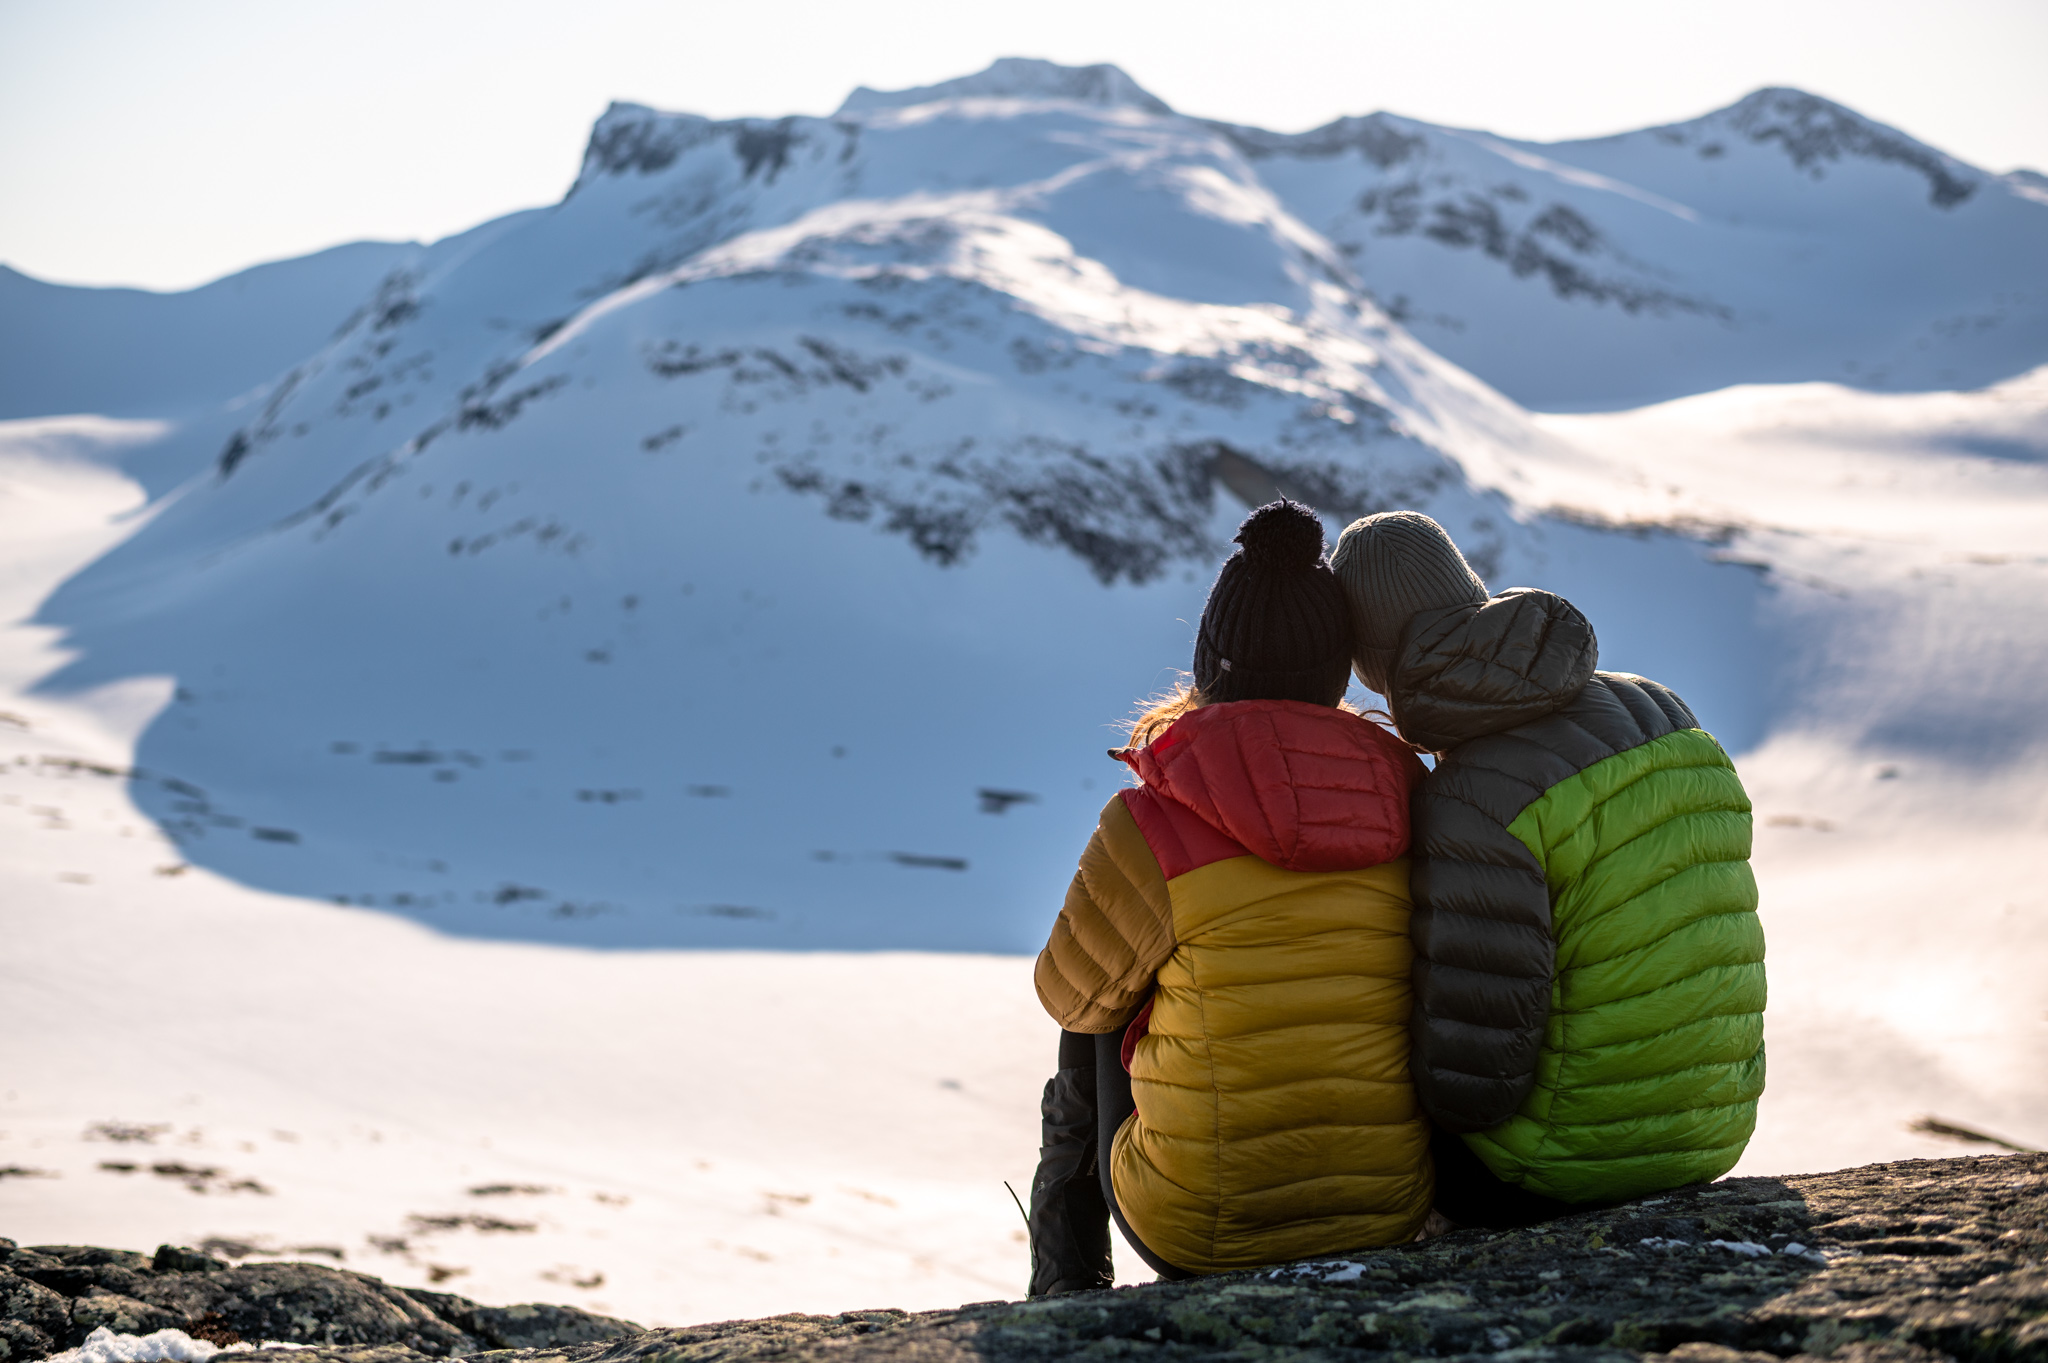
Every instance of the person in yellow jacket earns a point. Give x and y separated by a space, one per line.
1231 966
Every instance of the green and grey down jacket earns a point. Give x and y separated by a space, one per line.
1589 979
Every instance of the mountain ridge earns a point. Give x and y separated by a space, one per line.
1103 85
577 479
130 352
1587 304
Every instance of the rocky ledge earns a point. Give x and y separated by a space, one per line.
53 1296
1893 1263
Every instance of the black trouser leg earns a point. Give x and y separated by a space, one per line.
1069 1221
1113 1103
1470 1194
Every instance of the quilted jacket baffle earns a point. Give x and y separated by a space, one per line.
1589 963
1255 891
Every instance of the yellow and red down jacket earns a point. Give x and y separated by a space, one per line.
1255 890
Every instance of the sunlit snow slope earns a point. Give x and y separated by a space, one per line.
133 353
757 547
669 1136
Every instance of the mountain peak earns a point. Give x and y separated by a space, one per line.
1102 85
1812 131
635 137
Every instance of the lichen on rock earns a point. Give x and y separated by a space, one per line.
54 1296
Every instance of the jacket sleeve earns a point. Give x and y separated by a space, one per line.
1113 933
1484 954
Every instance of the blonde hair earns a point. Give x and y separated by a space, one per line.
1159 711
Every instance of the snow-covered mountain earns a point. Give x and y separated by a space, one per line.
1783 239
133 353
756 546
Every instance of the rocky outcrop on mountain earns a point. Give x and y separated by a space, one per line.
1814 132
1911 1262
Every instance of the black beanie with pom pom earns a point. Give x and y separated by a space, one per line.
1276 626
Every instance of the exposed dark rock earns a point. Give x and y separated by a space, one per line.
1916 1262
633 139
1813 131
757 145
53 1296
532 1326
122 1314
1587 268
33 1318
1379 138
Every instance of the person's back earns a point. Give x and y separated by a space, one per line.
1231 966
1255 887
1589 963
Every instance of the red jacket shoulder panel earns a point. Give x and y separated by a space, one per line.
1305 787
1181 839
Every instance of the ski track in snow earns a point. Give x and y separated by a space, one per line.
590 591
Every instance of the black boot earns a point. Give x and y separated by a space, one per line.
1069 1219
1470 1194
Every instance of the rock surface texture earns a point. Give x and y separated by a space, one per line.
53 1296
1892 1263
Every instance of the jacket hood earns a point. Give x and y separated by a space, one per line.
1305 787
1468 670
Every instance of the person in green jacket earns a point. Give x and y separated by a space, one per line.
1589 979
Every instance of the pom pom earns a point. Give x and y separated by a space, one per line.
1282 535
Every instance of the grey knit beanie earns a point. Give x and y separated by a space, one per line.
1392 566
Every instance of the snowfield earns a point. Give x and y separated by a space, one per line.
552 792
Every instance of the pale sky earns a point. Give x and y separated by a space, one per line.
163 144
